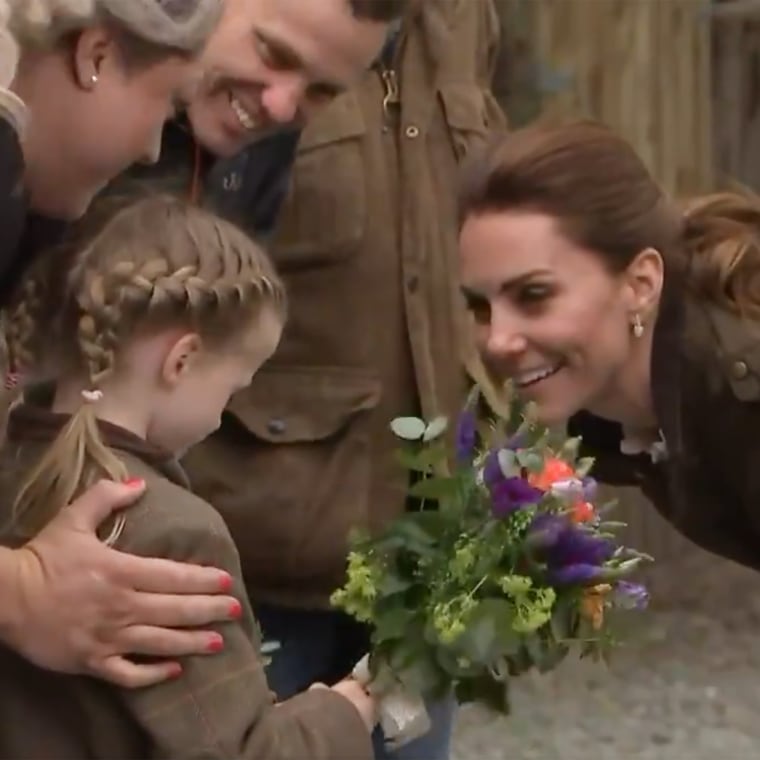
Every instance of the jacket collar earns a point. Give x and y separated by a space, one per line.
666 366
35 422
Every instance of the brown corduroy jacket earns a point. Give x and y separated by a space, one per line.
706 394
367 244
220 707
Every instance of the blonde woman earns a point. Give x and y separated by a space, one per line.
86 88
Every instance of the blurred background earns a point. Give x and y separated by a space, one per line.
681 80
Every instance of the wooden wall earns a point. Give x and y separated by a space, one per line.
736 94
641 66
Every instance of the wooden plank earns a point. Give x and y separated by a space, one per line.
641 66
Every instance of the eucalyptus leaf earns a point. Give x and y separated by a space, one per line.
530 460
490 633
421 460
423 675
415 537
409 428
508 463
456 665
570 448
393 584
435 429
392 624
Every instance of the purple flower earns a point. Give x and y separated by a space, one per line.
511 494
492 473
632 596
466 436
545 531
575 489
576 546
579 573
572 554
507 494
590 487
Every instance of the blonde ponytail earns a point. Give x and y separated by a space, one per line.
722 245
75 461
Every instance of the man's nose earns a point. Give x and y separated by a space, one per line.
283 100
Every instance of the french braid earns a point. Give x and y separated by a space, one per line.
157 261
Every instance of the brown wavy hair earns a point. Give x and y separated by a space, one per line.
131 265
605 199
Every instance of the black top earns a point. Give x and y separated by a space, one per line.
247 189
23 232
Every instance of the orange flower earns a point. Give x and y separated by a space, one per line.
592 604
554 471
582 512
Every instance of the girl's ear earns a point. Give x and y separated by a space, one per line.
181 357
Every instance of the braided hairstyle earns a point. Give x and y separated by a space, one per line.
150 264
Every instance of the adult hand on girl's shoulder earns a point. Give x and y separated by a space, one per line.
79 607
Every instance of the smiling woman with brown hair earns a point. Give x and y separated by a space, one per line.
632 319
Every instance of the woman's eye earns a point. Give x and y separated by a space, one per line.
532 294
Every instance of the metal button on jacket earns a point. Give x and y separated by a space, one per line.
739 370
276 426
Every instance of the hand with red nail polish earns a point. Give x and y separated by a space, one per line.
74 605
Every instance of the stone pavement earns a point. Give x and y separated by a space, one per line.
686 686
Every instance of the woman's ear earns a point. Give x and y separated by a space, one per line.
182 356
644 278
91 49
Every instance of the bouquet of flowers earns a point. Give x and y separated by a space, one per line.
512 565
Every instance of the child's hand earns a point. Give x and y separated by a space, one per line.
355 693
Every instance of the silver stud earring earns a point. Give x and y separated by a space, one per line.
637 327
94 79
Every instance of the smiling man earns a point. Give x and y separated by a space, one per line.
271 65
275 62
366 242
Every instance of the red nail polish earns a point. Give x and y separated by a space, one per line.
236 610
175 671
134 482
225 583
215 644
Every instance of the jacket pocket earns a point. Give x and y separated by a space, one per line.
289 470
466 112
323 217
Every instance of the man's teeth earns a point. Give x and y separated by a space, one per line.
534 375
243 116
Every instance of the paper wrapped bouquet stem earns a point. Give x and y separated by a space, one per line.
402 714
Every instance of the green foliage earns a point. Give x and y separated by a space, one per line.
459 596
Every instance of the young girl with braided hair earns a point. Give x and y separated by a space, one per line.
147 324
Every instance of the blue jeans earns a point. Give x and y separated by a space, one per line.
317 645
